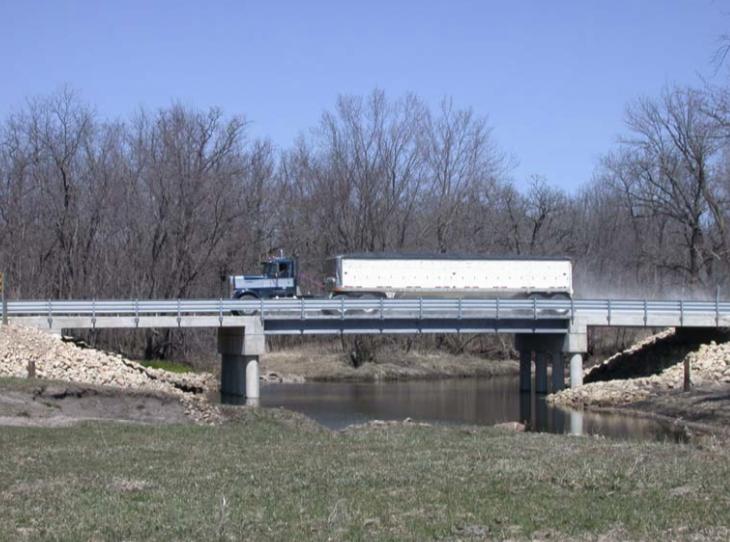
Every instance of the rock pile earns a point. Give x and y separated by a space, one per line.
709 363
24 350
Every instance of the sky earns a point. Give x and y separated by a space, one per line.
552 77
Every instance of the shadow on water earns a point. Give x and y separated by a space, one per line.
472 401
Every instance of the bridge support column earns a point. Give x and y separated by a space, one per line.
558 371
541 373
525 370
240 348
576 370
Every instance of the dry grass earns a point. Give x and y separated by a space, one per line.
323 365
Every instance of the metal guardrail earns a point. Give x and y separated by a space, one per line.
425 308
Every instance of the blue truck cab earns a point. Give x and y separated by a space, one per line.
278 278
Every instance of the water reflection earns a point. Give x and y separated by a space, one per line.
478 401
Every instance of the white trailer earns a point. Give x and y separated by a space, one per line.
399 276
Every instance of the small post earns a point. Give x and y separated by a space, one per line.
687 375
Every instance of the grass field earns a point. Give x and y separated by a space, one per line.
270 474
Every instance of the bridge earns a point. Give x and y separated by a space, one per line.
543 328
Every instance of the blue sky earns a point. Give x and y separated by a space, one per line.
552 76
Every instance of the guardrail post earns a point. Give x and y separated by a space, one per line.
460 309
301 309
179 316
93 313
572 310
381 315
136 313
4 300
220 311
496 320
717 307
609 312
50 315
681 313
420 315
646 313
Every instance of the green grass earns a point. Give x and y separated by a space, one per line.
167 365
272 475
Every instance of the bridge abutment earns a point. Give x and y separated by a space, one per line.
240 348
557 346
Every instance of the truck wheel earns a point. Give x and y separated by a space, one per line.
246 312
561 296
369 297
338 297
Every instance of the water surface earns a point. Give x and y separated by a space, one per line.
471 401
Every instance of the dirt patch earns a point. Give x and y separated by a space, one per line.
58 404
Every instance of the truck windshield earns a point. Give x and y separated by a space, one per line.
277 269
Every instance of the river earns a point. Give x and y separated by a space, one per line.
469 401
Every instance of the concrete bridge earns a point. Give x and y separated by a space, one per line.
547 331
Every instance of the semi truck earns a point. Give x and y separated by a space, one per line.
399 276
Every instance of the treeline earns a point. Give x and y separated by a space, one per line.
167 203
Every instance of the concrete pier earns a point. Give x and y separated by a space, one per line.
541 382
240 348
576 423
576 370
558 375
525 370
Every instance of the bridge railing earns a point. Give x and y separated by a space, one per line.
424 308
